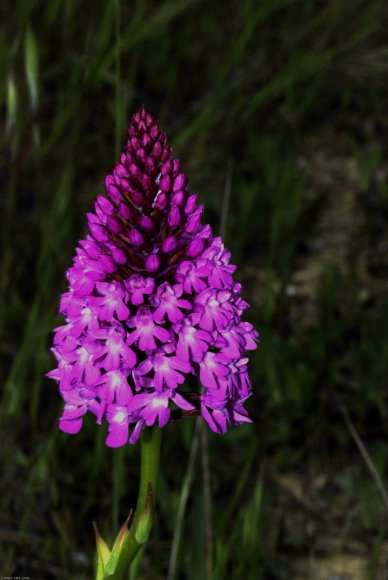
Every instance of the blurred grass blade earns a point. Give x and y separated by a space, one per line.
166 12
11 104
31 67
186 486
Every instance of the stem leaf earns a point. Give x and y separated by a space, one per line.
103 554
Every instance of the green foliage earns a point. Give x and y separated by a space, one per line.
238 85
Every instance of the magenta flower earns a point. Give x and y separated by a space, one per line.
113 386
137 286
192 342
151 302
168 302
114 352
146 331
109 301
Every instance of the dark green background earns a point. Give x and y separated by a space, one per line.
284 104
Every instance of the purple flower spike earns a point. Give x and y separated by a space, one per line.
151 304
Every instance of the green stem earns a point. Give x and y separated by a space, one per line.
129 543
149 468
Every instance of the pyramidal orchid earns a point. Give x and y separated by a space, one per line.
151 308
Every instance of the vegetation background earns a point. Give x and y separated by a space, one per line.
278 110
